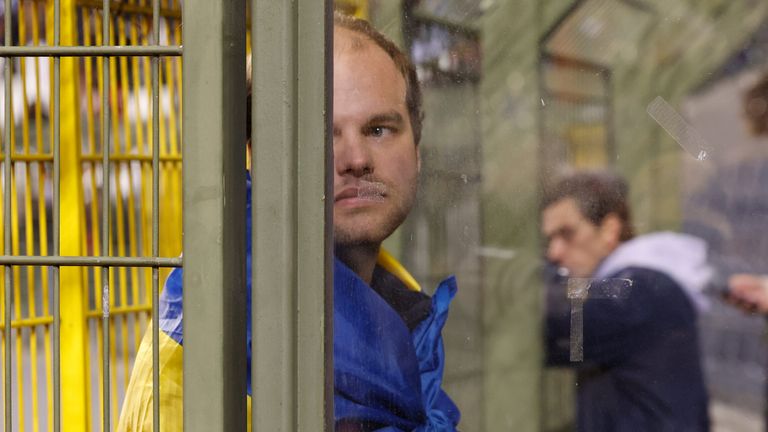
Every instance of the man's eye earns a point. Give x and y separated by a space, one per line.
379 131
567 234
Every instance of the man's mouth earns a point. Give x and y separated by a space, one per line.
347 193
364 191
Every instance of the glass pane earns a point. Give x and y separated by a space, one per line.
633 295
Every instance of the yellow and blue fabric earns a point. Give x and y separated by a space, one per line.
394 384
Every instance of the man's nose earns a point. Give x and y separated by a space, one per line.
352 156
555 251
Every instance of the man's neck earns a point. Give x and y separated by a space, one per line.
361 259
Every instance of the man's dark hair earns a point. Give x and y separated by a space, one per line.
597 194
756 106
413 98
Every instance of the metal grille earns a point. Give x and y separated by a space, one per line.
576 113
91 103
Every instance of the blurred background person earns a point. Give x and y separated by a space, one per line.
641 359
749 291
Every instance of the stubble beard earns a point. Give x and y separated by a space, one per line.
366 230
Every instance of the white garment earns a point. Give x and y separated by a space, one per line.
680 256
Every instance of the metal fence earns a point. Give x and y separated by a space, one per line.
92 206
91 108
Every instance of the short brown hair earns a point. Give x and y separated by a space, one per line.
413 98
597 194
756 106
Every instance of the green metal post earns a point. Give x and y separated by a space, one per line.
7 190
106 419
155 218
292 287
57 219
214 216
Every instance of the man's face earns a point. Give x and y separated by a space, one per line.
573 241
376 162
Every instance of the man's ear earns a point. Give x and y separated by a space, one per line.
610 229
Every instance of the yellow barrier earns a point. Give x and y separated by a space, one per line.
131 204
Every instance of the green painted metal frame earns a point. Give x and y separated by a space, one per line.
84 51
55 261
292 289
214 216
7 228
292 286
292 228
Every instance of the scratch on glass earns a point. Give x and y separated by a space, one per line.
496 252
581 289
682 132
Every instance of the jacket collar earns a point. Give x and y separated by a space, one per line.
393 266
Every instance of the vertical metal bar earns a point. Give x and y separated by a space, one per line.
292 367
610 131
7 228
29 232
314 284
73 366
155 218
56 219
16 278
214 216
105 220
273 28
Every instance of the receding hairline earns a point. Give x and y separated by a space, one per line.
358 43
355 40
363 33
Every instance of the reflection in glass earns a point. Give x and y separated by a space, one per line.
443 54
517 93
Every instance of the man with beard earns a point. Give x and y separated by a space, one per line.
388 352
394 381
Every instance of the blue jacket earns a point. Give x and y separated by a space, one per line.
394 383
388 356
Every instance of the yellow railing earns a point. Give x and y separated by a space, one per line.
130 102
